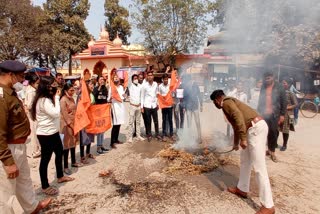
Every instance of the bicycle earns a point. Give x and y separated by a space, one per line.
308 108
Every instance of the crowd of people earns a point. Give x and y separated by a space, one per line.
48 107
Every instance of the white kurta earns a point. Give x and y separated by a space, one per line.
117 108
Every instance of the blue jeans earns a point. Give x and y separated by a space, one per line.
100 138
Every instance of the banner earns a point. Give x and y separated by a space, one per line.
100 118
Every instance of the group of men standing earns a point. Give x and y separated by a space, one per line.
145 99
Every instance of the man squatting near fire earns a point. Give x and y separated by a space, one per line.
251 131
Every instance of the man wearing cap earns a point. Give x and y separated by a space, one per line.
250 131
15 178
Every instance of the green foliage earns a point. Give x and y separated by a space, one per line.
68 34
18 28
172 27
117 21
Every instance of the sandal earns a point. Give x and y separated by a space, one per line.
77 165
67 171
91 156
65 179
274 158
50 191
84 160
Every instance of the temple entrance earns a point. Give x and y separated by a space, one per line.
86 74
98 68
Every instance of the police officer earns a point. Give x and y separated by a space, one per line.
14 129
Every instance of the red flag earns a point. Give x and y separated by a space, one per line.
81 118
100 118
126 79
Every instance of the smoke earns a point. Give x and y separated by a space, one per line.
285 28
212 123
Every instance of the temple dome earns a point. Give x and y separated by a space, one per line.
91 43
117 42
104 35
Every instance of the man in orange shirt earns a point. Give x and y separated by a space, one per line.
272 106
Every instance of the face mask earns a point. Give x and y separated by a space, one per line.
18 86
135 81
116 82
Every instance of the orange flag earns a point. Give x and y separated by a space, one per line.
175 83
100 118
81 118
114 92
165 101
126 79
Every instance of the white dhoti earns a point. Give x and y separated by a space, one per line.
254 156
20 187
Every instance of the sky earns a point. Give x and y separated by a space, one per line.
96 17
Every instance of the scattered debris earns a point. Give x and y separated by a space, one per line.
105 173
180 162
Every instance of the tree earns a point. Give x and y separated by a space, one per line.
172 27
69 32
285 32
18 28
117 21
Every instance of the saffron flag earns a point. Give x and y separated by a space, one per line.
167 101
114 92
100 118
81 118
126 79
175 82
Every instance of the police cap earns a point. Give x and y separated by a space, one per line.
12 66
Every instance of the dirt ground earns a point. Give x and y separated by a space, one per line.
139 185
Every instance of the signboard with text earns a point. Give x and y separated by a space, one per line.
98 50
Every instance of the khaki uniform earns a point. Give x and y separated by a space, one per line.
248 126
14 130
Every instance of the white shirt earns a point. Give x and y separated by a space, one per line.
30 94
232 93
48 116
164 89
149 95
135 94
242 97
